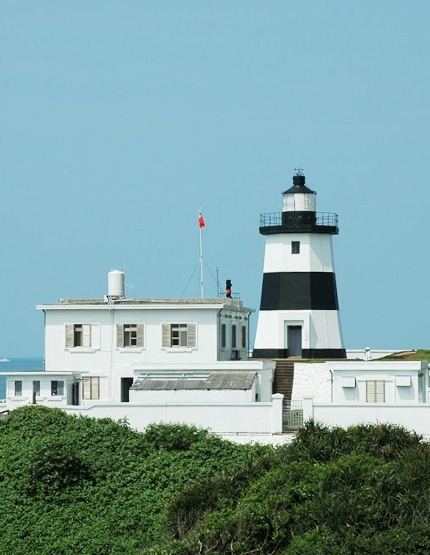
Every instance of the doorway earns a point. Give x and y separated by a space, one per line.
75 393
294 341
126 383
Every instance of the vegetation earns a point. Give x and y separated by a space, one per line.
78 485
420 354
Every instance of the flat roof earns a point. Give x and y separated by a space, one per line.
108 303
233 380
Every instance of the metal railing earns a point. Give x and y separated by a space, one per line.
292 415
323 219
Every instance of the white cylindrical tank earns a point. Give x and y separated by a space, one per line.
116 281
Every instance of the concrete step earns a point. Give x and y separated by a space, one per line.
284 377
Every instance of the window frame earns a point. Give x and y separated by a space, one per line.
173 336
91 388
125 333
244 337
223 336
78 335
295 247
375 391
18 388
233 336
58 389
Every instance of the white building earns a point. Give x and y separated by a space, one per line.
152 360
364 392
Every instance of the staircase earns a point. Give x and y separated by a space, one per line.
284 376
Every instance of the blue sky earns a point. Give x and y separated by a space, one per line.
119 120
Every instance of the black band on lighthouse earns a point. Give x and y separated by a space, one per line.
299 291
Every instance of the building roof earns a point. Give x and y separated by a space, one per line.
231 379
109 302
298 186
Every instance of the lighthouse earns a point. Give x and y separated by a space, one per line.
299 309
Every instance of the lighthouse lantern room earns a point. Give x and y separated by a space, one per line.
299 309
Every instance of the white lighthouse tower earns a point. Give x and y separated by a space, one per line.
299 310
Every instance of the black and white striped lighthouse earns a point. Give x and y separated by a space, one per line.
299 309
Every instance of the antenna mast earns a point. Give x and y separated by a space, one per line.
201 226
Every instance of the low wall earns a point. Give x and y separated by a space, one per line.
249 418
414 416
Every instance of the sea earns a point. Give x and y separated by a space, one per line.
25 364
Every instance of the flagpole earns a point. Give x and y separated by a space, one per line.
201 259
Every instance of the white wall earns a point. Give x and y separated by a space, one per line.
321 331
323 381
255 418
103 353
192 396
316 253
45 397
312 379
413 417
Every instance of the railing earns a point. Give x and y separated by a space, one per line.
323 219
234 296
292 415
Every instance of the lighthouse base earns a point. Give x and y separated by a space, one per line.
306 353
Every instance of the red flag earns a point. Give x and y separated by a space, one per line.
201 221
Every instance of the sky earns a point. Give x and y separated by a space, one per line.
120 119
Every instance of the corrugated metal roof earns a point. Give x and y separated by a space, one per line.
230 379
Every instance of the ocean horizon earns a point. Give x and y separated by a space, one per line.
18 364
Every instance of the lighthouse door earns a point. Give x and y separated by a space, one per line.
294 339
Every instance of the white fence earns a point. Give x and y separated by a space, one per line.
412 416
249 418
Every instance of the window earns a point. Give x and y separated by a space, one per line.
78 335
36 387
375 391
295 247
18 388
129 335
91 388
243 337
233 336
179 335
223 335
57 388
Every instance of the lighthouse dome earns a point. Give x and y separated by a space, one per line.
299 197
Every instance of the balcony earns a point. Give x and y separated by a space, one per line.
299 222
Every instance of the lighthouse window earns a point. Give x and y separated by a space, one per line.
78 335
179 335
129 335
295 247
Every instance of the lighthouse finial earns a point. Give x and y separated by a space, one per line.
299 171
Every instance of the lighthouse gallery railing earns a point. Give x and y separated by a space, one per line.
323 219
